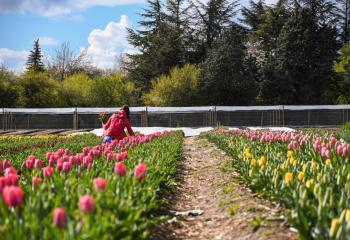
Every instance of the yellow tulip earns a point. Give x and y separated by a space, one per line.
290 154
334 227
347 215
328 162
250 173
253 162
301 176
314 164
288 177
262 161
308 183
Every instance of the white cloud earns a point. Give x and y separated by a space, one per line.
14 60
106 44
48 41
52 8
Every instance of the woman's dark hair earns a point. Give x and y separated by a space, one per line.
127 110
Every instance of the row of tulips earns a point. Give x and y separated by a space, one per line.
20 143
307 173
99 191
74 142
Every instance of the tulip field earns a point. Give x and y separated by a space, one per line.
75 187
306 172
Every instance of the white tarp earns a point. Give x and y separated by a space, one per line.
148 130
189 132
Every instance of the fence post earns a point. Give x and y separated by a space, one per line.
75 119
283 115
3 119
215 117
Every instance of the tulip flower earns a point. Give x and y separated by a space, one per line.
140 171
59 217
48 171
38 163
99 184
13 196
86 204
120 169
36 181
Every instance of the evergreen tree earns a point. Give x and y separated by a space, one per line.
211 20
225 80
307 48
34 61
344 17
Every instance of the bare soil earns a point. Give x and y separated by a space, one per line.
230 210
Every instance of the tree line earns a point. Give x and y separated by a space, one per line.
218 53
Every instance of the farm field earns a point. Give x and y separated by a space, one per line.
74 187
223 184
307 172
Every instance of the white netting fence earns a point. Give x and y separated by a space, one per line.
202 116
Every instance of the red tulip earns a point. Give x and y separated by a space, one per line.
59 217
86 203
13 196
120 169
36 181
100 184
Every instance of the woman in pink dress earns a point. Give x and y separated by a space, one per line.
116 124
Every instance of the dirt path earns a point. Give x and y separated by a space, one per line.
230 211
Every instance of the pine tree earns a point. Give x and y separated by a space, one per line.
344 19
307 48
225 80
160 42
210 20
34 61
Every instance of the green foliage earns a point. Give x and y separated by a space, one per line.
112 90
346 126
8 89
179 88
224 77
75 90
37 89
342 67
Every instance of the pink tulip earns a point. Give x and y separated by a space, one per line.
59 217
109 156
87 161
100 184
10 170
13 196
48 171
6 164
86 203
328 154
38 163
66 167
120 169
48 155
140 171
2 183
30 163
11 180
52 162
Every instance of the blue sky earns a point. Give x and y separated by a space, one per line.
98 26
